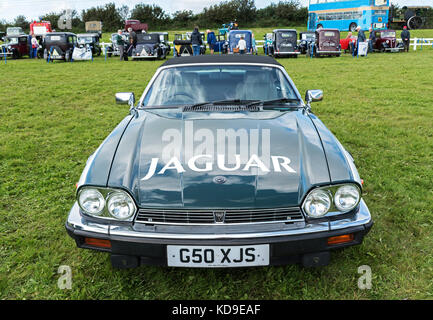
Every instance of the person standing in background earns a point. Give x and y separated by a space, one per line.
371 40
120 44
254 45
29 43
361 38
242 45
132 41
405 37
211 40
196 41
35 46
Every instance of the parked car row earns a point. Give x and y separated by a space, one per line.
155 45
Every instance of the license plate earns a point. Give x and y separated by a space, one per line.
213 257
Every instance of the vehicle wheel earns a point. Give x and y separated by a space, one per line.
352 27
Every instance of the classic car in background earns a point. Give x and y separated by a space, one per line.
386 41
59 46
112 48
267 44
14 31
183 45
136 26
15 46
234 37
94 27
90 40
305 40
150 45
285 43
219 164
327 43
221 45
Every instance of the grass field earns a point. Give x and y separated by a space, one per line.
53 116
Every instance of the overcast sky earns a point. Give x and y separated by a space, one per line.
32 9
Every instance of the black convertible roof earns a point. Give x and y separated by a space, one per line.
225 58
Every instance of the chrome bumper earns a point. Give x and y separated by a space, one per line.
80 224
329 52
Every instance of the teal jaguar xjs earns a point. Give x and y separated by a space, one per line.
219 164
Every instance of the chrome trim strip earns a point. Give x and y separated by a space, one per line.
124 231
328 51
231 214
77 222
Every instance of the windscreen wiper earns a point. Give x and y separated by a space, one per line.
247 103
271 103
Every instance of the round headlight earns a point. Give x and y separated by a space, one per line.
317 203
120 205
91 201
347 198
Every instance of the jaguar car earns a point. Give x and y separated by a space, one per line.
220 163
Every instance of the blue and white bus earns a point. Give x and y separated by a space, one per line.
346 15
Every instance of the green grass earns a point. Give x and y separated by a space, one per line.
53 116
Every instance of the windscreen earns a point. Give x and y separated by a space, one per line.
52 38
11 41
147 38
329 34
388 34
308 36
290 36
84 40
190 85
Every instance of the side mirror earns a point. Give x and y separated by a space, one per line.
125 98
313 96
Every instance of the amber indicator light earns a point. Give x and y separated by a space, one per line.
341 239
97 242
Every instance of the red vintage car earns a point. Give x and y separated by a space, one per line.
136 25
386 41
327 43
16 46
345 43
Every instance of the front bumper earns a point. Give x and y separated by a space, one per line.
396 49
328 52
286 53
144 57
149 246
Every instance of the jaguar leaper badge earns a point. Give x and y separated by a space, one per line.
219 216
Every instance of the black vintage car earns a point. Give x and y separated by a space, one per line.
150 46
220 163
285 43
183 45
306 39
163 36
59 46
91 40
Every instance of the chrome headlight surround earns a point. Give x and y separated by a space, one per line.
315 204
118 205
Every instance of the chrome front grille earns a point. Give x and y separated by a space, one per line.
208 217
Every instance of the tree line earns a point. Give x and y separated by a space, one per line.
245 12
